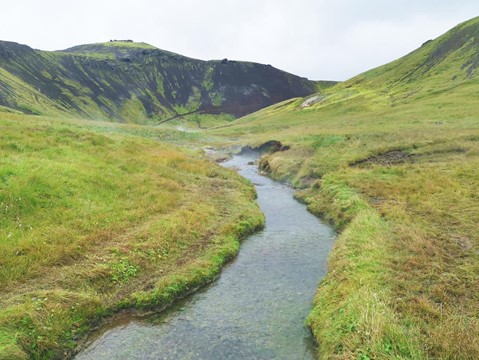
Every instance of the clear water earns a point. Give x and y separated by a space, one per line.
256 309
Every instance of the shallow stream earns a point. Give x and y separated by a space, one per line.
256 309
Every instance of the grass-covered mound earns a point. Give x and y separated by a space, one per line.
96 217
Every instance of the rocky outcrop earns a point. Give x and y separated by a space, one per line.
268 147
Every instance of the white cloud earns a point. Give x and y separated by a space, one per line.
315 38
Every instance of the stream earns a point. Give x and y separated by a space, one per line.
256 309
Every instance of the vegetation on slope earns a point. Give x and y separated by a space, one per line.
96 217
392 158
136 83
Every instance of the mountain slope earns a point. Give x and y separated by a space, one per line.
136 82
442 72
439 66
391 157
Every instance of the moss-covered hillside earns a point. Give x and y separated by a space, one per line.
136 82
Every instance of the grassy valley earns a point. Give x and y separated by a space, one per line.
99 216
391 157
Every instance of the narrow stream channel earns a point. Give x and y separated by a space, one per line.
256 309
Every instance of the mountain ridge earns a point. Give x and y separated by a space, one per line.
136 82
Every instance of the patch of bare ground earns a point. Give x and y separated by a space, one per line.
393 157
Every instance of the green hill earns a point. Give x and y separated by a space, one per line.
442 72
391 157
136 83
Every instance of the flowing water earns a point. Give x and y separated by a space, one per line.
256 309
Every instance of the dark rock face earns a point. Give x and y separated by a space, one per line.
121 80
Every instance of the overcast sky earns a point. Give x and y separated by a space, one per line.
318 39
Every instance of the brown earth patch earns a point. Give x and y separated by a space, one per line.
393 157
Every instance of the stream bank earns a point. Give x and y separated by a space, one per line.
256 309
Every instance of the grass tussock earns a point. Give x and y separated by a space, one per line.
99 217
352 312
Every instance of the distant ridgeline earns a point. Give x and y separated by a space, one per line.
135 82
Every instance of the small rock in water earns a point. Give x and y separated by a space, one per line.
222 159
251 163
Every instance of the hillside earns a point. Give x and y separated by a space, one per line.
136 82
440 75
391 157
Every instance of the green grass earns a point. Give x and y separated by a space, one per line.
391 157
97 217
108 50
127 44
352 315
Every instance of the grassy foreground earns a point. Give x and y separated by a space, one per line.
391 157
97 217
